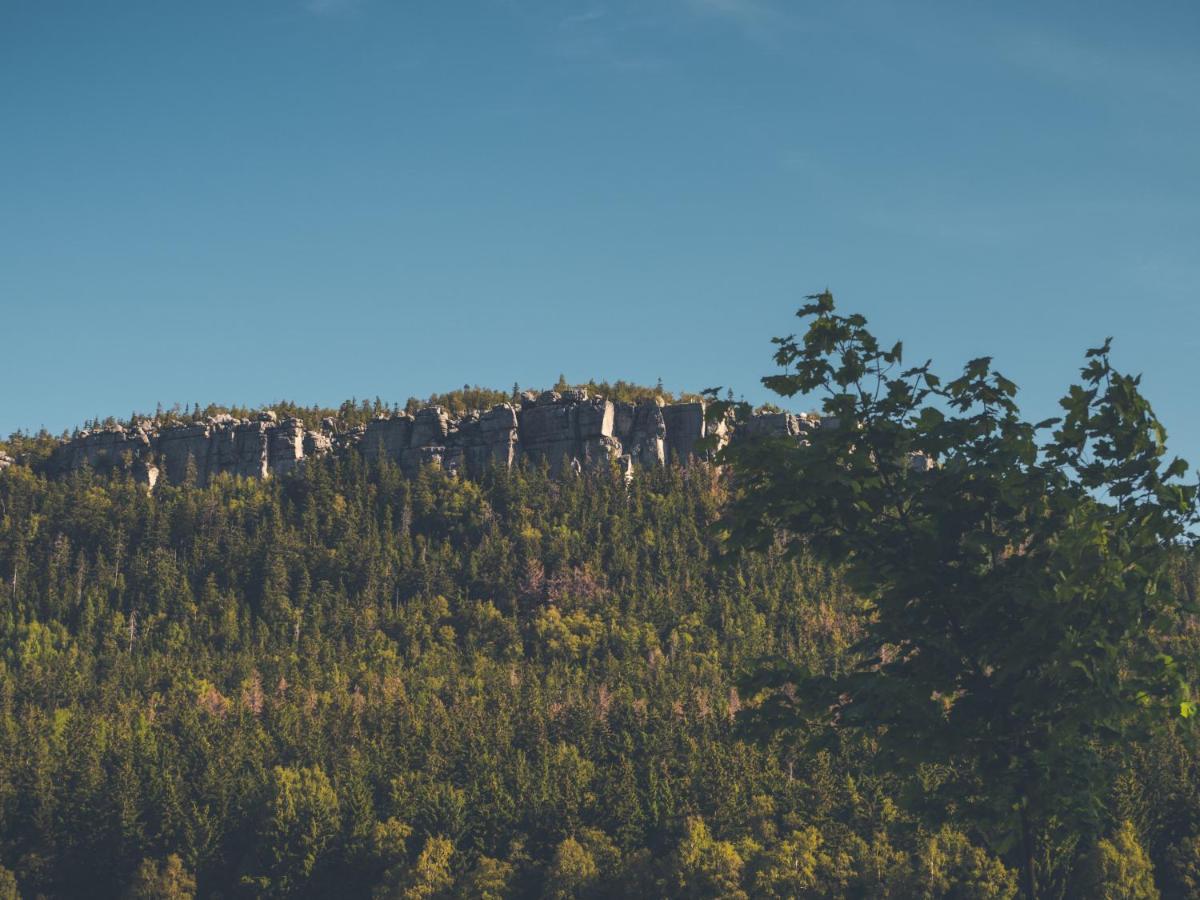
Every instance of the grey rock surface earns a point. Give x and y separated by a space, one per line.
642 430
558 429
431 426
317 443
685 426
567 430
489 439
387 438
783 424
286 447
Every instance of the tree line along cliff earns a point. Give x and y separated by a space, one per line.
568 428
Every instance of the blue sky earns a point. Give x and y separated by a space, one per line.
237 202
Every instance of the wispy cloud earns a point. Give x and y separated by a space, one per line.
634 35
595 35
583 18
332 7
1166 272
1113 70
757 19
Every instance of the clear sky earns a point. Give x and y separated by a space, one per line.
239 202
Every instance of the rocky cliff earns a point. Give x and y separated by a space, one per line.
568 429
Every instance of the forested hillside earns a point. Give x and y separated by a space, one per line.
349 683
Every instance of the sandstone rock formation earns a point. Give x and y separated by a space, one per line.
489 438
564 430
685 424
642 430
559 429
783 423
103 448
198 451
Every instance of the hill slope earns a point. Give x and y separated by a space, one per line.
350 680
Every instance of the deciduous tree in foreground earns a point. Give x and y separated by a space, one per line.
1012 590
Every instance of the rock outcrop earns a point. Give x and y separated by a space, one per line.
103 448
489 439
564 430
568 428
196 452
642 430
686 424
782 423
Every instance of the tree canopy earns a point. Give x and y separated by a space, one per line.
1015 576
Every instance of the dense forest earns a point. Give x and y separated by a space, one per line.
349 683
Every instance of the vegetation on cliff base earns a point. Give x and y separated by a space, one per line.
347 682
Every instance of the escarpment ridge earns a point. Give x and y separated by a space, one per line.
571 428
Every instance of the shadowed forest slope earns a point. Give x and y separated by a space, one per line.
349 681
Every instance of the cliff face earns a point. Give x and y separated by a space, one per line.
569 429
249 448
